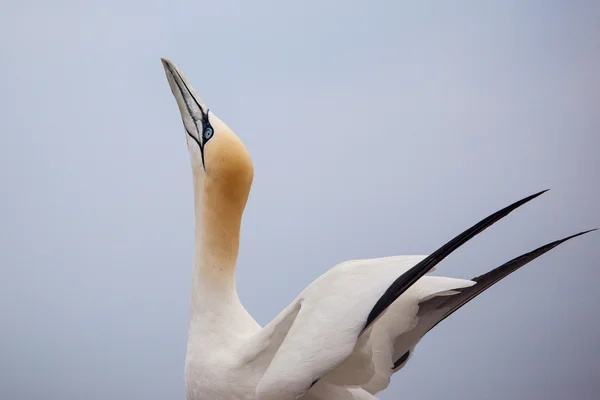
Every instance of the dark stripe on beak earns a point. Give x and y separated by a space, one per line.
204 115
187 93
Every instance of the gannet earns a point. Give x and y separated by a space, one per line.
345 335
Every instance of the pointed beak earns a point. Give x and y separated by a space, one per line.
191 107
194 113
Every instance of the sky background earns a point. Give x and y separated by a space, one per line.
376 129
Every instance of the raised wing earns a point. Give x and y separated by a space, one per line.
375 352
334 310
410 277
431 312
330 315
487 280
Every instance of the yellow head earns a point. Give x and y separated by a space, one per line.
221 166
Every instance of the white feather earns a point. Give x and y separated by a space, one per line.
320 337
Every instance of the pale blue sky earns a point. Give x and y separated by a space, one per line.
375 130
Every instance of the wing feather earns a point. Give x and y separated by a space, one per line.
435 310
340 305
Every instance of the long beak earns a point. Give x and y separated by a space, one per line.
194 113
190 105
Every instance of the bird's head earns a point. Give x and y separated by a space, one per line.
220 162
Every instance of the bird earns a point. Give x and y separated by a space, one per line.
345 334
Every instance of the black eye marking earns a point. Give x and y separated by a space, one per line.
208 130
208 133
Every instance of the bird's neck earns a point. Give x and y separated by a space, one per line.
218 217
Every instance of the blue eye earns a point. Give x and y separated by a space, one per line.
208 132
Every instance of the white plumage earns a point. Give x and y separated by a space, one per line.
344 336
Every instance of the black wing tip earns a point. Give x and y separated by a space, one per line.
542 249
533 196
579 234
401 360
519 203
406 280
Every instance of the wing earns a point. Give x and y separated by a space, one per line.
431 312
322 326
319 330
369 364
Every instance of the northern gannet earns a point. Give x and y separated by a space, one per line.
345 335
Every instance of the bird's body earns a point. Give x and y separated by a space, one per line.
226 357
344 336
